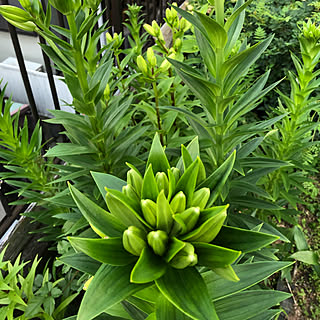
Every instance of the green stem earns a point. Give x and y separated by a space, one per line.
156 97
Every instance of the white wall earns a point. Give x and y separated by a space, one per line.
29 45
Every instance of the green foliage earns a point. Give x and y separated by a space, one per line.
160 237
32 295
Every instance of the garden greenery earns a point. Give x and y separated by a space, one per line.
167 177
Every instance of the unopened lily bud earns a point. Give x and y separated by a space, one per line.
178 203
86 285
190 218
149 210
142 65
93 4
109 37
184 25
135 179
169 16
32 6
134 240
158 241
65 7
162 182
200 198
165 66
12 13
176 172
106 92
151 57
185 258
178 44
130 192
149 29
156 28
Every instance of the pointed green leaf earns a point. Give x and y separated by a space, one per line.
249 274
245 305
186 290
96 216
149 185
213 256
227 273
104 181
148 268
81 262
216 181
188 180
175 245
109 286
243 240
157 156
109 251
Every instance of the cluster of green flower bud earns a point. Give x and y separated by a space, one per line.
170 218
66 7
311 31
18 17
116 40
149 67
34 7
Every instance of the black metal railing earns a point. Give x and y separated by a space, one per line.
115 14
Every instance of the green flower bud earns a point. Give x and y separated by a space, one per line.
169 16
156 28
106 92
158 241
27 26
93 4
149 210
17 15
185 258
164 213
189 219
149 29
142 65
162 182
202 172
184 25
178 44
130 192
178 203
165 65
200 198
109 38
32 6
66 7
151 57
176 172
135 179
134 240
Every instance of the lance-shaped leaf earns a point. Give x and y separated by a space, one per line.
96 216
104 181
164 213
186 290
81 262
109 286
166 310
237 66
188 180
227 273
244 240
148 268
149 185
213 256
216 181
245 305
203 89
109 251
192 151
249 273
123 212
157 156
216 34
211 221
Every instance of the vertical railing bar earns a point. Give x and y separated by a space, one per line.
22 66
49 72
